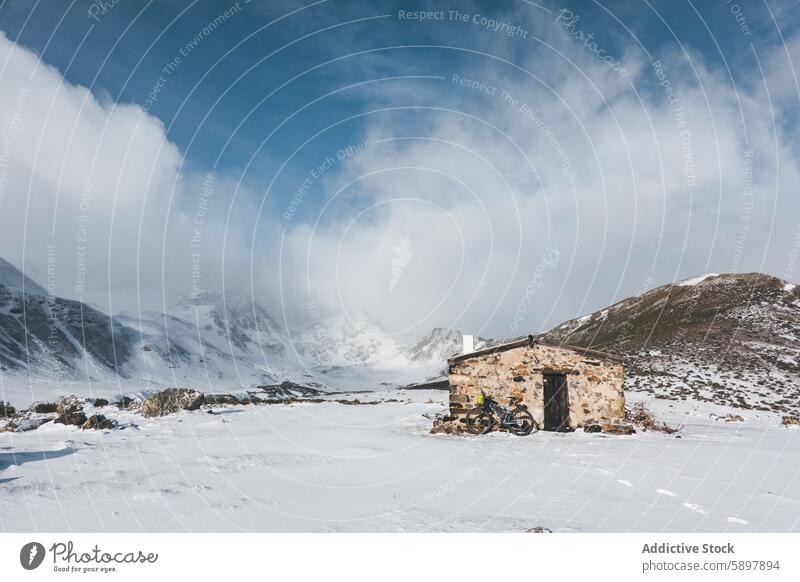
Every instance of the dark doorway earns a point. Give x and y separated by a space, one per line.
556 405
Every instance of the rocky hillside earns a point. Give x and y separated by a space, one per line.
212 337
56 336
235 319
56 339
12 278
728 339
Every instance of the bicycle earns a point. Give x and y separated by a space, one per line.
482 418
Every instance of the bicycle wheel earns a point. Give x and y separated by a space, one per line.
524 423
479 421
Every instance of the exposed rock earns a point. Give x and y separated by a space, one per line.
593 427
25 420
539 529
790 421
357 402
40 330
432 385
45 407
26 424
354 402
731 418
217 399
99 422
172 400
623 429
70 411
6 410
126 403
98 402
448 425
237 318
286 390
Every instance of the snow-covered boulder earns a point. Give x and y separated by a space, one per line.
99 422
172 400
70 411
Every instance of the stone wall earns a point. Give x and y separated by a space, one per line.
594 385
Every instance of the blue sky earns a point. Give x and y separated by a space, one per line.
123 54
241 86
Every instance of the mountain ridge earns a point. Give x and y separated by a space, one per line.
732 339
13 278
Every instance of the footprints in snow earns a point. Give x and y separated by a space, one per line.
737 520
696 508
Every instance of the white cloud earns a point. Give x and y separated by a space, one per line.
628 189
101 183
591 173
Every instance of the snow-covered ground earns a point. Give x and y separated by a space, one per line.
337 467
21 390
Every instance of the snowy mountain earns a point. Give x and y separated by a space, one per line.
207 338
440 344
55 336
172 351
727 339
210 338
356 341
208 341
12 278
233 321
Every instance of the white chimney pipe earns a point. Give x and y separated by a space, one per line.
469 344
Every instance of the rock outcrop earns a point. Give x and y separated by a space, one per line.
70 411
170 401
726 339
99 422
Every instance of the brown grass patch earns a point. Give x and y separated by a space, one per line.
642 417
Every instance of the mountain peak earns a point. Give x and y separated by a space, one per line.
730 339
691 282
439 344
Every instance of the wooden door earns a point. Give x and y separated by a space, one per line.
556 404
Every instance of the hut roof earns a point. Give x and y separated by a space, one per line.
529 341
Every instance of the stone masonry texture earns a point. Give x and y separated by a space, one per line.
594 383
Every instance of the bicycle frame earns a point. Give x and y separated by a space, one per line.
503 414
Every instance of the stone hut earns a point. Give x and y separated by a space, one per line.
564 387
